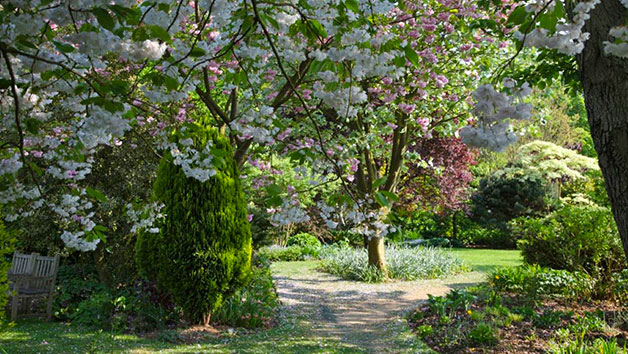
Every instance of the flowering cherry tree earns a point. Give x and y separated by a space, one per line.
342 86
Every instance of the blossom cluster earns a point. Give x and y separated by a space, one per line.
568 37
493 110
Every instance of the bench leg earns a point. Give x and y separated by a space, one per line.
14 304
49 309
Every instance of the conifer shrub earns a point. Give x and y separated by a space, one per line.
7 243
202 253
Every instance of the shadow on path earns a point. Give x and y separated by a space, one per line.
355 313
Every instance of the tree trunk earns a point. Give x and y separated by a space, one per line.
207 319
605 83
376 253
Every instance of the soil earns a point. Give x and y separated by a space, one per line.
523 337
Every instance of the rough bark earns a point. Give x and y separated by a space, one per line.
376 253
605 83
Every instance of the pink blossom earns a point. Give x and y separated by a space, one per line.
406 108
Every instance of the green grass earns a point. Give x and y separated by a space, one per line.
294 334
294 268
486 260
33 336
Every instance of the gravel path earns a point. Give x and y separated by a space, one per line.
368 317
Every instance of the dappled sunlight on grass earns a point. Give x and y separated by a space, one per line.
298 331
487 260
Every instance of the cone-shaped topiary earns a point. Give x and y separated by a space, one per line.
203 250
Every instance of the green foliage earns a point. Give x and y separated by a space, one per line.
620 285
7 246
483 334
252 306
509 193
574 238
536 281
83 300
424 331
203 251
554 162
276 253
402 263
549 318
304 240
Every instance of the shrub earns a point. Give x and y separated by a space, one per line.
536 281
254 305
82 299
7 243
574 238
403 263
203 251
509 193
304 240
278 253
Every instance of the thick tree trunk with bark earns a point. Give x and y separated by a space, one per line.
376 253
605 83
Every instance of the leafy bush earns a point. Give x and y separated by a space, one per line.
347 237
254 305
276 253
574 238
203 251
458 228
403 263
7 242
536 281
304 240
620 285
509 193
82 299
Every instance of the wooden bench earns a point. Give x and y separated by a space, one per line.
32 277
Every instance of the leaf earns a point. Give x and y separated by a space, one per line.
63 47
411 55
171 83
273 189
269 19
96 194
381 199
159 33
104 18
390 196
318 28
518 16
5 84
32 125
378 182
35 168
559 9
100 228
399 61
197 52
353 6
549 21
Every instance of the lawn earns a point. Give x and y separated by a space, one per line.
487 260
294 334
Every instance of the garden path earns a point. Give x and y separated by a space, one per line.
366 317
